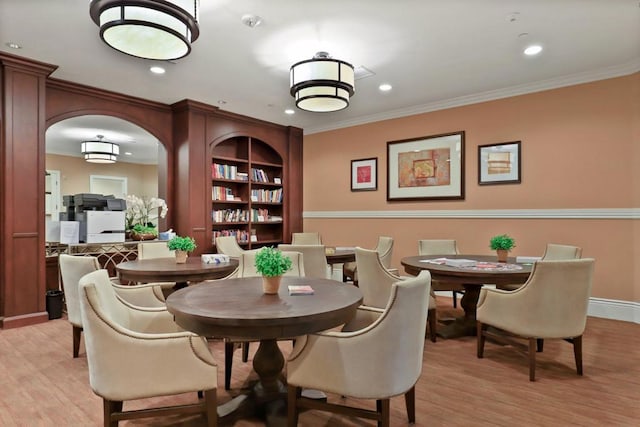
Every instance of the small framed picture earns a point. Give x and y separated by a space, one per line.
277 181
364 174
499 163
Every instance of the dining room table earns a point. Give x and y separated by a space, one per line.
168 270
482 270
239 308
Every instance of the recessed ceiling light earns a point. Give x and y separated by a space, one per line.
13 45
385 87
221 102
128 153
533 50
251 21
289 111
157 70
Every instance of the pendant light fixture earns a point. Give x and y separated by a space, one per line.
322 84
150 29
99 151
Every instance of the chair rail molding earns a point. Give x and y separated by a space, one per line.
586 213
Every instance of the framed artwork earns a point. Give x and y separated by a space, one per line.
499 163
364 174
429 167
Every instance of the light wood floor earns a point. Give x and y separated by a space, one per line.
42 385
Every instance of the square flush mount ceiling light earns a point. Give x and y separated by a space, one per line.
159 30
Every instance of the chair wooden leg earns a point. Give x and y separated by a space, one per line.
228 363
384 412
431 324
577 353
540 344
481 339
293 394
211 407
455 299
410 403
109 407
532 359
245 351
77 333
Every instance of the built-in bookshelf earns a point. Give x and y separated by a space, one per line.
247 192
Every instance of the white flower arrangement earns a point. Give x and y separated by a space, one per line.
144 211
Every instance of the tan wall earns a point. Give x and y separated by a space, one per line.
142 180
579 149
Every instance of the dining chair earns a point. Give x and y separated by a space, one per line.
441 247
228 245
552 252
376 281
123 344
247 268
154 249
307 238
384 248
380 361
315 259
552 304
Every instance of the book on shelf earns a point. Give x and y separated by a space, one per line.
300 290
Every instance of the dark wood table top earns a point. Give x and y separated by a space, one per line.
340 256
239 308
414 264
167 270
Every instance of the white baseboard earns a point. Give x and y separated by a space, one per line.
627 311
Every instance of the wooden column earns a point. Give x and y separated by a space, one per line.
22 183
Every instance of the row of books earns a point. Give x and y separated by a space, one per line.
259 175
228 172
222 193
272 196
241 236
230 215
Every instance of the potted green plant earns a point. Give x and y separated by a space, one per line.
182 246
272 264
502 244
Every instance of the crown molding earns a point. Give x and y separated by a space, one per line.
542 85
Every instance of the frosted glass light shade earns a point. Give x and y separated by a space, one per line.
159 30
322 84
100 151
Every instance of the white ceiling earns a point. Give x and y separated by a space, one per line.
435 53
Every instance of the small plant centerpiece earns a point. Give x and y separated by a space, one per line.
142 215
502 244
182 246
272 264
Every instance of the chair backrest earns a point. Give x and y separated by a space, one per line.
385 250
72 268
306 239
247 264
561 252
437 247
158 249
400 332
228 245
373 278
315 259
110 305
555 298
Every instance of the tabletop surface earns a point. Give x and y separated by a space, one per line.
167 268
238 307
509 273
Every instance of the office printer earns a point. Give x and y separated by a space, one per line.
101 226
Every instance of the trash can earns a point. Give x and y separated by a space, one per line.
54 304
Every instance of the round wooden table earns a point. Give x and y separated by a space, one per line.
341 256
167 270
472 279
238 308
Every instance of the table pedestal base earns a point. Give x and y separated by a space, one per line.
465 325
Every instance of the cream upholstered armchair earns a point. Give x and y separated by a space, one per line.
228 245
308 238
441 247
247 268
136 353
551 304
378 362
552 252
72 268
315 259
384 248
154 249
376 281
